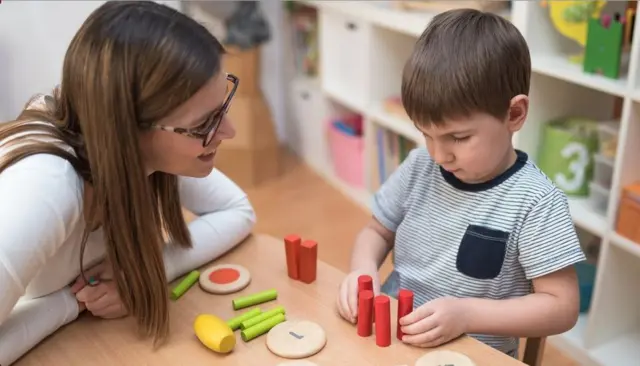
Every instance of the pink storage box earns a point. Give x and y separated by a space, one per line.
347 155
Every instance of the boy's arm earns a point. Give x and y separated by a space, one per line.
371 247
552 309
376 240
548 247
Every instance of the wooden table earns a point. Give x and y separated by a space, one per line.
114 342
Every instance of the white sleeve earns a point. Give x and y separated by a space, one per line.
41 203
225 218
33 320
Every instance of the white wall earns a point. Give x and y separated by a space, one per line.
34 36
212 14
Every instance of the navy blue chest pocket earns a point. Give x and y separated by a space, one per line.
481 252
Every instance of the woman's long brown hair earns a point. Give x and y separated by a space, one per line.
130 63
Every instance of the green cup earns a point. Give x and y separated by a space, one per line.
566 153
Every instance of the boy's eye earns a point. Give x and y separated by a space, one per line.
460 139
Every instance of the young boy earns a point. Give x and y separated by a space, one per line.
480 235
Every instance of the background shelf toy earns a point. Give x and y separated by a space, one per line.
629 213
566 153
608 38
570 18
604 46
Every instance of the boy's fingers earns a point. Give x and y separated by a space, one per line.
424 339
434 343
421 326
416 315
353 302
342 303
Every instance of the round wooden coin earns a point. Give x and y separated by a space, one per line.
224 279
444 357
296 339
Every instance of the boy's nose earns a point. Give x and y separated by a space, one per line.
442 157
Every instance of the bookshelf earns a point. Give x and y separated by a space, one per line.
362 46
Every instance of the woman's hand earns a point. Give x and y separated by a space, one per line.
101 300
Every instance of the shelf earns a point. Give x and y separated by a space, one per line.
343 98
586 217
358 196
619 351
615 352
363 48
561 68
572 342
399 125
623 243
381 14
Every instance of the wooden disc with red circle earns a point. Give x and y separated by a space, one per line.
224 278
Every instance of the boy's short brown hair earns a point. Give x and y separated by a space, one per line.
465 62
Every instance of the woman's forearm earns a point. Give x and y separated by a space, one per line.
212 235
33 320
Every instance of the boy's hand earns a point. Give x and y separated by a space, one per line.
347 301
435 323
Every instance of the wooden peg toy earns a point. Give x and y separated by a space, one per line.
405 306
382 308
365 282
292 251
308 261
365 313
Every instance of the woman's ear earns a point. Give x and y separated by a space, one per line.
518 110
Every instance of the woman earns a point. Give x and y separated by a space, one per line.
98 172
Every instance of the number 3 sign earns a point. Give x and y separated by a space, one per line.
566 154
579 158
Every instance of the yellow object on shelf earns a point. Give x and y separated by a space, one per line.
570 18
214 333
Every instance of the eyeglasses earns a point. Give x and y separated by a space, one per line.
208 129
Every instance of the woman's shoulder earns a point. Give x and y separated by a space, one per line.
44 188
46 170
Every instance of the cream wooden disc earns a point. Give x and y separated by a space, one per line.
444 357
296 339
230 278
298 363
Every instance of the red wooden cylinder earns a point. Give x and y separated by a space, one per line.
405 306
382 309
365 313
365 282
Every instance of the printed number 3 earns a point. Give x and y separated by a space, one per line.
577 166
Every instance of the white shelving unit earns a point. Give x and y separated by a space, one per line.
363 46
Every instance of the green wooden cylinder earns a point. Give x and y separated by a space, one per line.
566 153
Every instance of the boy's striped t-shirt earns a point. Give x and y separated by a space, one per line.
486 240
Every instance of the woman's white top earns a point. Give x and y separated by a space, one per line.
41 227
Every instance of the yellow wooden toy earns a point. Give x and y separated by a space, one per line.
570 18
214 333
